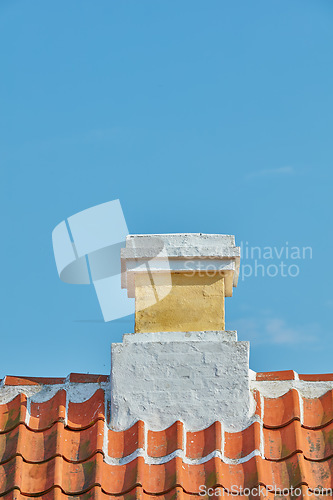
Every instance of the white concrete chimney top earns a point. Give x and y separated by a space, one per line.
181 240
180 252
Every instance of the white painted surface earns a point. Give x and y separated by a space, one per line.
277 388
208 335
195 380
180 253
180 240
76 392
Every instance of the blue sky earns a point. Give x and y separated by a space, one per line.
199 116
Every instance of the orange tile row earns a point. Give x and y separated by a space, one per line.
79 445
277 412
317 412
44 415
91 378
177 493
281 375
73 446
76 378
315 444
34 479
236 445
291 375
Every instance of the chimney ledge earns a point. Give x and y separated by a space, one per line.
207 336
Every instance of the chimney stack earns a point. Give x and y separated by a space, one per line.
181 363
179 281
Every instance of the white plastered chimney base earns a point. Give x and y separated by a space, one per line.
195 377
181 364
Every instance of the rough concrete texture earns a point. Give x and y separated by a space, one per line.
207 335
306 389
75 393
180 252
194 380
190 303
180 240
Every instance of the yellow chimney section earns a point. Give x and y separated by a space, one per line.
179 281
191 303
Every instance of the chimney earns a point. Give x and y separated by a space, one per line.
181 363
179 281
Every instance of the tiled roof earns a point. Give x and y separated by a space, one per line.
55 442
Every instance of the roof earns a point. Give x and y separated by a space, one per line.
55 442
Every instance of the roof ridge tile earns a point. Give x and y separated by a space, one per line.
278 375
74 378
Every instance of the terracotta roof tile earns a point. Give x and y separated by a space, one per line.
62 447
202 443
282 410
240 444
44 415
10 380
283 375
123 444
13 413
317 378
162 443
318 411
258 403
79 378
96 493
84 414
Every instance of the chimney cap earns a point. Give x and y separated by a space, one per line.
180 240
180 252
